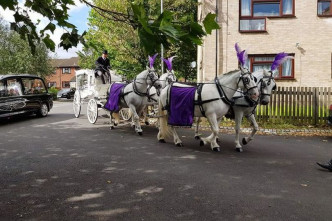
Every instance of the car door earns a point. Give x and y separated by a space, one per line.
11 100
32 92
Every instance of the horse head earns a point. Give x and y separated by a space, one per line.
151 77
266 85
246 81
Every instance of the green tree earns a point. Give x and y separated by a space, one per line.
16 56
129 44
163 30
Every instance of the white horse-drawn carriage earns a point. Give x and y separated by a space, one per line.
179 103
93 92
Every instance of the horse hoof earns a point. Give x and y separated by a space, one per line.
147 123
112 127
217 149
140 133
238 149
162 141
133 126
201 143
179 145
244 142
197 137
115 124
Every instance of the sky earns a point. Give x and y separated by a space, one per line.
78 16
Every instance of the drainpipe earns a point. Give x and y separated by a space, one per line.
217 20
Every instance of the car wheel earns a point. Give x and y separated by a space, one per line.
43 111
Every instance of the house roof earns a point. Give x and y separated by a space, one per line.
69 62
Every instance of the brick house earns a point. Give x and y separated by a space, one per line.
64 73
301 28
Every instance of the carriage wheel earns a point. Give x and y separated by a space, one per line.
125 114
92 111
77 104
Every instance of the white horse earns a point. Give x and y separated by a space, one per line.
135 96
265 84
214 103
165 79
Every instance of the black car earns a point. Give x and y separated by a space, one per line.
21 94
66 93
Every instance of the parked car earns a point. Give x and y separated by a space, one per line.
329 119
24 94
66 93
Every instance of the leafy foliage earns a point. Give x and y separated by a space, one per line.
130 43
55 11
16 56
153 30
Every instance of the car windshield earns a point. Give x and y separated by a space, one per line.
65 90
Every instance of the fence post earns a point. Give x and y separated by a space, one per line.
315 105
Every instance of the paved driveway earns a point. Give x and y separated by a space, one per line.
62 168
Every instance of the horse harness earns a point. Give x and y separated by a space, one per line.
263 84
222 94
136 91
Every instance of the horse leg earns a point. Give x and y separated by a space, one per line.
135 117
212 139
116 119
177 140
163 127
145 114
237 127
112 125
197 135
255 128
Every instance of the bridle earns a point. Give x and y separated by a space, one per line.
246 81
150 76
170 78
264 84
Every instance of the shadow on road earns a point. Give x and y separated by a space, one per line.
62 168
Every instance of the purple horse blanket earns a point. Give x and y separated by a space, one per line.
181 106
114 97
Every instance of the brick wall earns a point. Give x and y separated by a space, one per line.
312 66
59 77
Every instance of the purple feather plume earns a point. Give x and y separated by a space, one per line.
279 59
242 56
152 59
168 63
237 48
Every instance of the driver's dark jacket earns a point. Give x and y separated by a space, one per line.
102 65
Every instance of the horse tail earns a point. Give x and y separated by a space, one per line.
163 126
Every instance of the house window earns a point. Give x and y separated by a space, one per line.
259 62
324 8
65 70
253 13
65 84
51 84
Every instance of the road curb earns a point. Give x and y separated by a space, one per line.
263 131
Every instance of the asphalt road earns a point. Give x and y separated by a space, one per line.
63 168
